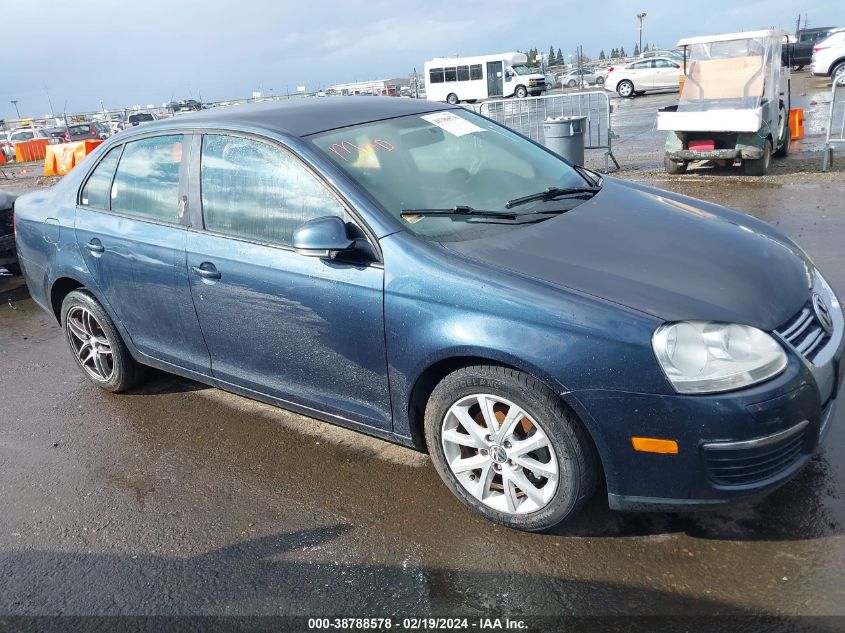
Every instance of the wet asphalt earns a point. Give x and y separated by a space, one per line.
179 499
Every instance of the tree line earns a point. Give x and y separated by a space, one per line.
555 57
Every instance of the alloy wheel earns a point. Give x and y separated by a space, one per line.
500 454
89 343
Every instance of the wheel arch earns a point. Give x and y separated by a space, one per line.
436 369
834 64
59 289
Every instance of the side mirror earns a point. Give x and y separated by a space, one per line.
322 237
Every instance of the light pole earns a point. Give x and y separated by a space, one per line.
640 17
15 103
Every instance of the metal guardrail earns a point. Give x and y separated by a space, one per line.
527 116
835 121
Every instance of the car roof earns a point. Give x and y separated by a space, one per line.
652 59
304 116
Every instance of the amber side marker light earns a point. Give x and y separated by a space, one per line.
654 445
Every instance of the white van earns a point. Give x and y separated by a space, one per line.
456 79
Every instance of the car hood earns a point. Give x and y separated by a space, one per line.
674 257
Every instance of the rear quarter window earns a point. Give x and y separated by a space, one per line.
95 192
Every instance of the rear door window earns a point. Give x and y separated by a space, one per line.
146 184
95 193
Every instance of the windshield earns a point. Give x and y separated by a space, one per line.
735 74
442 160
522 69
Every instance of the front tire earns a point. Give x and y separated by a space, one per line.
508 448
96 345
625 88
452 99
571 83
759 166
521 92
782 150
599 81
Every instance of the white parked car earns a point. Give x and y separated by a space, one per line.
656 73
829 57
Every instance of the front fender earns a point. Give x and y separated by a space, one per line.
439 305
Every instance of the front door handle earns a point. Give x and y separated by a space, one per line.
95 246
206 270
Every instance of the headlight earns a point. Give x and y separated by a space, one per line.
706 357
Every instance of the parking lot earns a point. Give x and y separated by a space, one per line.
179 499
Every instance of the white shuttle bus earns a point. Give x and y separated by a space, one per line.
456 79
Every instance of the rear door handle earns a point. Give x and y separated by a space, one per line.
95 246
206 270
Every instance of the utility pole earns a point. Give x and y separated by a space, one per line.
580 51
49 100
15 103
640 17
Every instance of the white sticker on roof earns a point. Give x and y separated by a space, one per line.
452 123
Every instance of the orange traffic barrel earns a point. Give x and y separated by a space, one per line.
796 123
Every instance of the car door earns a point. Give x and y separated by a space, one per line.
642 74
131 230
301 329
666 73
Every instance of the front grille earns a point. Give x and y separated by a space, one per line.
742 463
804 333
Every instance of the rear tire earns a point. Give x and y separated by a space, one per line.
452 99
489 486
625 88
673 166
759 166
571 83
90 332
837 73
599 81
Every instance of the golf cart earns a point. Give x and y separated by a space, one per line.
734 102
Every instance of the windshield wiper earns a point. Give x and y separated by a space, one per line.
551 193
458 210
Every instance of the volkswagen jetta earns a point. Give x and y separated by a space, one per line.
417 272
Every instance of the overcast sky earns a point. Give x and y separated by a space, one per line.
152 51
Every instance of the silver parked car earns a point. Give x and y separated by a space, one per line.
590 75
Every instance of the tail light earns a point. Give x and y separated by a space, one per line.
816 49
610 70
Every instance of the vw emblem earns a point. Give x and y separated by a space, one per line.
497 453
822 313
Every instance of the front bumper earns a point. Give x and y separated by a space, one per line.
732 447
716 154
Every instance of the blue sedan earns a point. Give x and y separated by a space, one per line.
414 271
